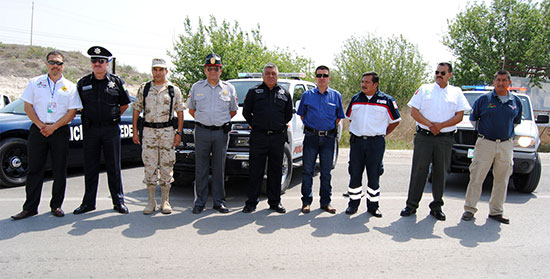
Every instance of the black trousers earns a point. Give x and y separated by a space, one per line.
38 147
96 139
437 151
264 148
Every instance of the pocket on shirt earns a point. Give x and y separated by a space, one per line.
380 113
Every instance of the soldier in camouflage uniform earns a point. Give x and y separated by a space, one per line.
158 139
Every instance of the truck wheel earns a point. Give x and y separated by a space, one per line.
14 162
287 172
527 183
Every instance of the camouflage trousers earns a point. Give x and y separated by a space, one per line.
158 155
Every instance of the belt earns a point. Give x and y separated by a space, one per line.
157 125
102 123
268 132
429 133
320 133
495 140
208 127
366 137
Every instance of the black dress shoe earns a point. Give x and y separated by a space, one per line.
221 208
467 216
351 210
23 214
83 209
197 209
278 208
407 211
438 214
249 209
376 212
500 218
58 212
122 209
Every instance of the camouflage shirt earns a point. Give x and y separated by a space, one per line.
158 102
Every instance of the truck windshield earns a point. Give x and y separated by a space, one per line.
472 97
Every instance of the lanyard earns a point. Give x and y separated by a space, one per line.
52 90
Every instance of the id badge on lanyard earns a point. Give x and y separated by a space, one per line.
52 105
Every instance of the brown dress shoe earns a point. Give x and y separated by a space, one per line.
328 208
23 214
306 208
58 212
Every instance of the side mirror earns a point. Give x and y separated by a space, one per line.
542 119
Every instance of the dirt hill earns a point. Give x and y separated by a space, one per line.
21 62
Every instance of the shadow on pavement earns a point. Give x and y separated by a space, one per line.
471 235
406 229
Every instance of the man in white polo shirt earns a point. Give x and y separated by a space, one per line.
51 102
437 108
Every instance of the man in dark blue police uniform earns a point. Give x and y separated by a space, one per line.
268 109
494 115
321 110
104 99
373 115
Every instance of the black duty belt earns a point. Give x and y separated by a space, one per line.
320 133
429 133
366 137
267 132
101 123
157 125
208 127
491 139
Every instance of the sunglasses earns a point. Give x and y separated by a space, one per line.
51 62
442 73
98 60
215 69
322 75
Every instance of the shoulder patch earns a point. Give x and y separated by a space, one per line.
382 102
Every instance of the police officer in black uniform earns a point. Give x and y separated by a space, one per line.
104 98
268 109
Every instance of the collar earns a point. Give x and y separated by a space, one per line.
206 83
276 87
494 95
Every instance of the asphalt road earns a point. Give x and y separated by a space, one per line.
105 244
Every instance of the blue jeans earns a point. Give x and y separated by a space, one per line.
324 147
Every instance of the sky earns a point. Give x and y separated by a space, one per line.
137 31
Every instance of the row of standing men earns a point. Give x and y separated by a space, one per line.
102 96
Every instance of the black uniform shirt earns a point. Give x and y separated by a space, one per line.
267 110
101 99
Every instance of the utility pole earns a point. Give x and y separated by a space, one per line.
32 19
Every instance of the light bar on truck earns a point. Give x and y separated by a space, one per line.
489 88
281 75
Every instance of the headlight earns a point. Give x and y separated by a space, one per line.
524 141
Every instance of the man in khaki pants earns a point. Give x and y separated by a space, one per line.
494 115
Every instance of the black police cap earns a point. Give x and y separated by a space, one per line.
213 59
99 52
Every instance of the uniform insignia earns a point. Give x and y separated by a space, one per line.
416 92
259 91
97 50
199 94
382 101
212 60
281 91
41 85
225 92
111 84
87 87
491 105
394 104
512 107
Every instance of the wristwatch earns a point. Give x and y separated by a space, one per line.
179 133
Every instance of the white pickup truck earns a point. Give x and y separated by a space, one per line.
527 165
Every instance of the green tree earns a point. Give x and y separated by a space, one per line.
241 51
510 34
397 62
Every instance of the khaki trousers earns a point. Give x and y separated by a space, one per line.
487 153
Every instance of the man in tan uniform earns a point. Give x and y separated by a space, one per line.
158 141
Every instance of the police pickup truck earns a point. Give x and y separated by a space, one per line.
238 149
14 131
527 165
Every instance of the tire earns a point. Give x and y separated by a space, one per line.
287 172
14 162
527 183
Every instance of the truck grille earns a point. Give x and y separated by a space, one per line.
467 137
